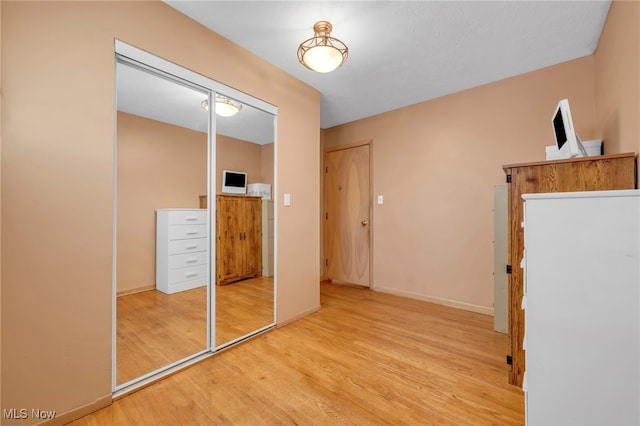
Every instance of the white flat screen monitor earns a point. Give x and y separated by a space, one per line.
234 182
568 143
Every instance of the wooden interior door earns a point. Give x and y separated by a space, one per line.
230 248
347 215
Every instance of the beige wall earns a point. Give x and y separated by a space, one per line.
432 236
267 164
436 164
242 156
617 64
159 166
57 184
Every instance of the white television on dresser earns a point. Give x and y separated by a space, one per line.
567 140
234 182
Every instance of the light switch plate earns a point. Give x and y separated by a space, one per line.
380 199
287 200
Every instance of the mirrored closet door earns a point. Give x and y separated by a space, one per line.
194 259
162 263
244 221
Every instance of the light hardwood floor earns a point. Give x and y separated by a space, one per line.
243 307
364 358
155 329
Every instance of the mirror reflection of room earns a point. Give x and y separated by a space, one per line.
165 269
244 223
161 238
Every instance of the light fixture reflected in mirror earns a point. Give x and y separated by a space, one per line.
225 107
322 53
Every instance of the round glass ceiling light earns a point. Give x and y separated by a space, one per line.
322 53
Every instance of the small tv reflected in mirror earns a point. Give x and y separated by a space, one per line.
234 182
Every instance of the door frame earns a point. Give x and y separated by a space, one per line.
368 142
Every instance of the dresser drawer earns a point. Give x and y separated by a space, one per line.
187 260
187 217
188 246
181 232
188 274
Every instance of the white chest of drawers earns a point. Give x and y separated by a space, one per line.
182 261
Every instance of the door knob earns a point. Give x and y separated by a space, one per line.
364 223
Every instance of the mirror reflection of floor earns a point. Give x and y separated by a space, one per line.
155 329
242 307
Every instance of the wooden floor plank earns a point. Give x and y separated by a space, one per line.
366 358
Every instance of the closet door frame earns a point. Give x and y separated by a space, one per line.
130 55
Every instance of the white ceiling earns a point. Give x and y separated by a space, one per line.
402 53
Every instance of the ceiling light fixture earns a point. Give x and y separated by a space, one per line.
322 53
225 107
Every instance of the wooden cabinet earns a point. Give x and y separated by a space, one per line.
606 172
239 238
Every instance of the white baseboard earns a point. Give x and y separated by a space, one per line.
485 310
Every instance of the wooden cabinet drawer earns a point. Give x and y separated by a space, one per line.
188 246
187 260
181 232
188 274
187 217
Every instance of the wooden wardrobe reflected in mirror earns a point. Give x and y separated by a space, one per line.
244 279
